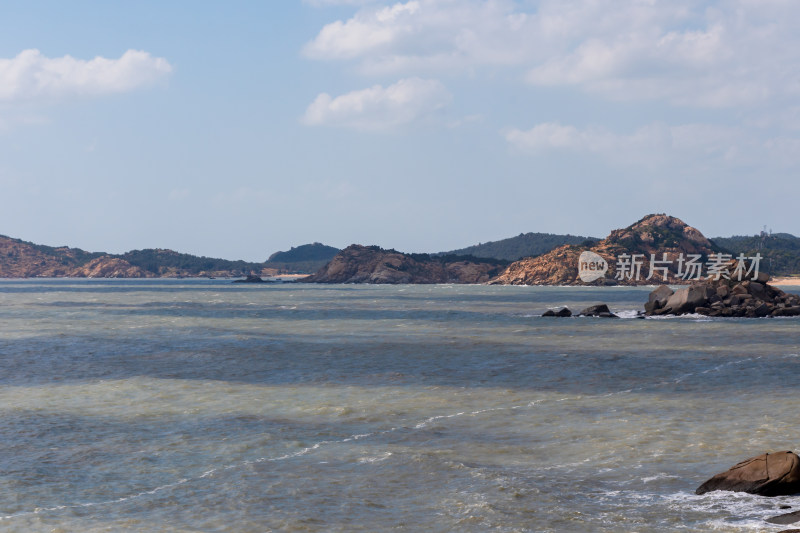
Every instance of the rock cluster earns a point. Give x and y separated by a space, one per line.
769 474
751 297
600 310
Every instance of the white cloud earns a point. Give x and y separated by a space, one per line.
378 107
658 144
722 53
31 75
365 31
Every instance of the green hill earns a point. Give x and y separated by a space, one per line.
523 245
304 258
161 262
780 251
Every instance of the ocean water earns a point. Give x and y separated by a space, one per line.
199 405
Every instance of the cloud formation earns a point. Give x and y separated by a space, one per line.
717 54
378 107
659 144
30 75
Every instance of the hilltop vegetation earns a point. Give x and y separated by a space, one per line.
780 251
167 262
523 245
304 258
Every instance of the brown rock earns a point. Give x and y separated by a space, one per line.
686 300
739 288
769 474
109 267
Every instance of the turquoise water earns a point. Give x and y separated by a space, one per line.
199 405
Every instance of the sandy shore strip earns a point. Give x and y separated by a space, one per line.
785 281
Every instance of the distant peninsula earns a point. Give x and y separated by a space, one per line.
526 259
22 259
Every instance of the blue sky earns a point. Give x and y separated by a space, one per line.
235 130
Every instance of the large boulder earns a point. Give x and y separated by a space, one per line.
600 310
769 474
685 300
658 298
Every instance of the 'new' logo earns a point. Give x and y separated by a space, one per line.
591 267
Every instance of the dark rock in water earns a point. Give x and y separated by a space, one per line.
769 474
251 278
606 315
788 518
600 310
564 312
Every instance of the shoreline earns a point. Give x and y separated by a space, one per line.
793 281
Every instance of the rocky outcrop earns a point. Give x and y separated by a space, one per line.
661 235
20 259
109 267
372 264
564 312
600 310
769 474
752 297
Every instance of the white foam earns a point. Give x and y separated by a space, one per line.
744 504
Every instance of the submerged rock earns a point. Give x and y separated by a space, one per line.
769 474
787 518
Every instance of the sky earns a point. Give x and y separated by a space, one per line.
237 129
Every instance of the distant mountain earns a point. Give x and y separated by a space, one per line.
372 264
22 259
780 251
304 258
168 263
653 234
523 245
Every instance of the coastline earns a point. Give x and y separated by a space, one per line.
793 281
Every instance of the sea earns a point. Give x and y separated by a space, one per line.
203 405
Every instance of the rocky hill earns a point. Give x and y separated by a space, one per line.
158 262
523 245
304 258
21 259
372 264
654 234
